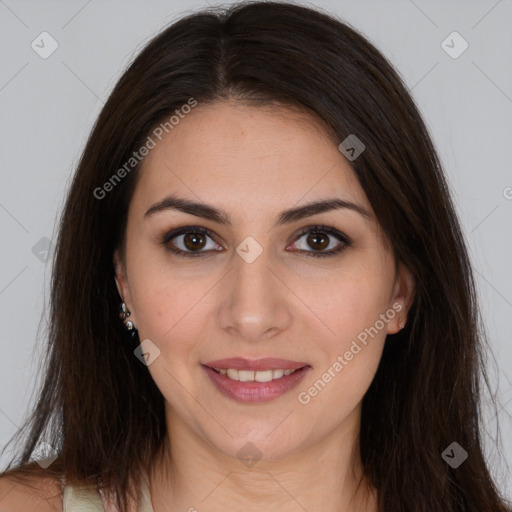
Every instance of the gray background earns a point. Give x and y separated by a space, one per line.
48 107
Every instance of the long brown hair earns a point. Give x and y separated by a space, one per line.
99 407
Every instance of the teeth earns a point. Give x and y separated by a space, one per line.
252 376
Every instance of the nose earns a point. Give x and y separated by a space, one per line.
254 304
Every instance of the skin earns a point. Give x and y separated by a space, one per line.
254 162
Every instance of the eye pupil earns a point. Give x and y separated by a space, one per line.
313 241
194 238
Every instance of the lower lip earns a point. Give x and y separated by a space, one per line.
255 392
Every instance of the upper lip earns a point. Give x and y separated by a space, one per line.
267 363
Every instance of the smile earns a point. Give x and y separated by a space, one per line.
249 386
251 376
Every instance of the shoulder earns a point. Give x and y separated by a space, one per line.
36 493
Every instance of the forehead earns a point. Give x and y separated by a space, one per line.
244 155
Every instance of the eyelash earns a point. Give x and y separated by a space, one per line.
308 230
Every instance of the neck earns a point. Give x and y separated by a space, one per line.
324 476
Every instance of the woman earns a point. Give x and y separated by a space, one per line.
261 205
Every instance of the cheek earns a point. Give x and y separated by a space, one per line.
156 306
159 295
352 333
340 381
174 314
347 303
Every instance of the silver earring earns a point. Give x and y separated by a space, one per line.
124 313
401 323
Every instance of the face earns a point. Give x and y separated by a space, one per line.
260 286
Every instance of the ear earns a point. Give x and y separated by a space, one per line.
122 284
403 297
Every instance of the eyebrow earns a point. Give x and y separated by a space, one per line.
285 217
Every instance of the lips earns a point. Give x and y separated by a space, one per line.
267 363
255 392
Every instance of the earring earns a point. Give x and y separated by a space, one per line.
124 313
401 323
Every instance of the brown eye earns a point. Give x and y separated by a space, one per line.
194 241
318 241
189 241
320 238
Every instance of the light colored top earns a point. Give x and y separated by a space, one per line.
90 499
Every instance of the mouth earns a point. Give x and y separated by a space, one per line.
264 364
254 376
255 381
